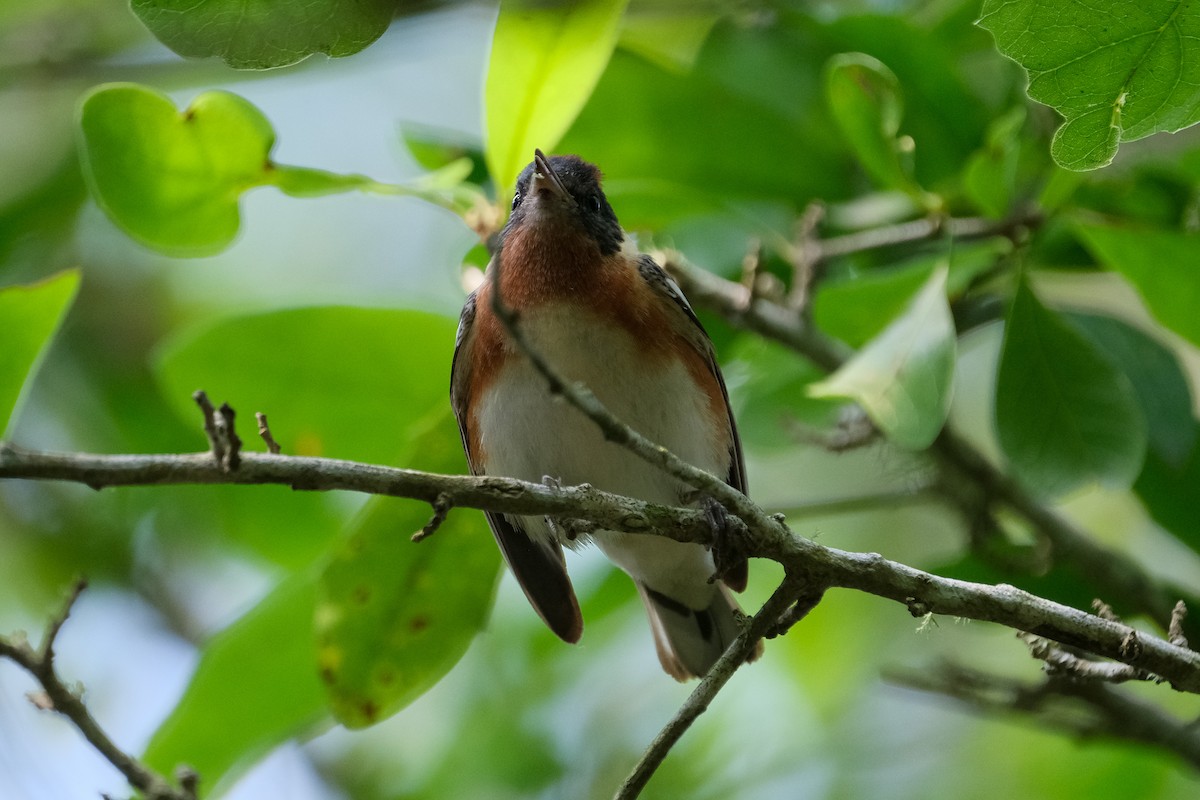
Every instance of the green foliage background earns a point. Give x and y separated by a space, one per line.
1066 350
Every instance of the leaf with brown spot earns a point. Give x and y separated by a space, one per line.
401 614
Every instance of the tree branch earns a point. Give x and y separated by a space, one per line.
920 592
761 624
327 474
58 697
1087 709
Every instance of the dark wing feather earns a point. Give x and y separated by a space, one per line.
736 575
538 567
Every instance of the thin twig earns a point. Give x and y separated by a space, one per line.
233 451
264 431
1104 610
700 698
923 229
215 440
1060 662
441 508
1175 628
58 697
1110 712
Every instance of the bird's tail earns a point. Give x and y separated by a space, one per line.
689 641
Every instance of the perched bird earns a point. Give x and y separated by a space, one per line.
600 313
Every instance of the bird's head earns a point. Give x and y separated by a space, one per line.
559 197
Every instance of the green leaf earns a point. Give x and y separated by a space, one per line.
546 59
903 377
1065 415
255 687
1168 491
1162 266
260 34
1116 71
669 36
394 616
864 96
173 180
344 382
29 317
858 308
990 176
367 375
768 385
1158 382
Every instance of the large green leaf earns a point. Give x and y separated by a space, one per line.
864 96
546 59
345 382
255 686
1065 415
333 380
259 34
29 316
173 180
1164 266
1158 382
903 377
394 616
1117 71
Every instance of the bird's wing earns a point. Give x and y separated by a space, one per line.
538 566
662 284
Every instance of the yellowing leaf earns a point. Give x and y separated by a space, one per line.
546 59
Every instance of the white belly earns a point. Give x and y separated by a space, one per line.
526 433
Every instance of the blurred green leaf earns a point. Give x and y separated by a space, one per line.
1162 266
1168 491
434 148
1157 379
345 382
903 377
857 308
29 317
255 687
337 381
768 385
1117 71
669 34
664 170
265 33
394 616
545 61
1065 415
864 96
991 174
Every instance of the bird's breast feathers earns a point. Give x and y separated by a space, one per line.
525 432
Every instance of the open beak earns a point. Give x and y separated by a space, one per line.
544 177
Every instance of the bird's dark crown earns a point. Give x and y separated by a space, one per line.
589 214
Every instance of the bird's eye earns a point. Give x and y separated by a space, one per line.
597 205
516 200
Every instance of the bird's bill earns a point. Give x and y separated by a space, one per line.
545 177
